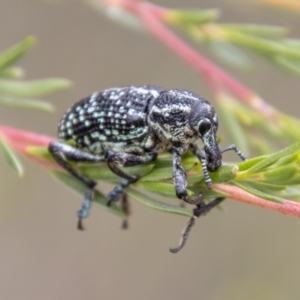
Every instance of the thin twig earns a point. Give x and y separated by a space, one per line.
287 208
153 17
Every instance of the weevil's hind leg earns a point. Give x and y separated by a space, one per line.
125 206
126 160
201 209
236 150
61 153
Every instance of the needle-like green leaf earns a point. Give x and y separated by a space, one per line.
11 157
33 88
26 103
13 54
258 193
258 30
230 54
158 205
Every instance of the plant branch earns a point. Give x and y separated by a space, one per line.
153 16
21 141
287 208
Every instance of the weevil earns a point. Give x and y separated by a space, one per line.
131 125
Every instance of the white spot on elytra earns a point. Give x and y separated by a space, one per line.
102 138
87 140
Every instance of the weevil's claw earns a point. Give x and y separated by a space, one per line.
79 224
125 224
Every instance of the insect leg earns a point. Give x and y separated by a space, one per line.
62 153
201 209
180 180
126 160
237 151
126 209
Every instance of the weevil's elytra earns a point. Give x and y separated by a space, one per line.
127 126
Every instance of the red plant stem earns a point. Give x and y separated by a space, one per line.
196 60
287 208
210 71
24 138
20 140
152 17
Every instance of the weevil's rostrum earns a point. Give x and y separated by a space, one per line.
131 125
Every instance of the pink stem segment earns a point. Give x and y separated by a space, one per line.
20 140
287 208
153 17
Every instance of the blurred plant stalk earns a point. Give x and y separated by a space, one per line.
226 41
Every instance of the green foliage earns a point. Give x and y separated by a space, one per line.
227 40
19 93
273 177
10 156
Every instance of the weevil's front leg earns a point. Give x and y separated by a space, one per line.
61 153
116 159
180 180
236 150
200 210
202 157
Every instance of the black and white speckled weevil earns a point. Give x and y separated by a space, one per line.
127 126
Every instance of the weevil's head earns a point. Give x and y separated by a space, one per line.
204 120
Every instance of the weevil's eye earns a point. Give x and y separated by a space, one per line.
204 127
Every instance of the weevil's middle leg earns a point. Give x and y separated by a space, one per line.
126 160
200 210
61 153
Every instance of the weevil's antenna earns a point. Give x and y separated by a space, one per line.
236 150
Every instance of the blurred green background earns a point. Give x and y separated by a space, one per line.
242 253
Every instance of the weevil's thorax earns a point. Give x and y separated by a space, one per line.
115 119
169 118
179 118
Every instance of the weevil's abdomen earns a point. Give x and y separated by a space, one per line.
113 119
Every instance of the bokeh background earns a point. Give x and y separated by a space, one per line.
243 253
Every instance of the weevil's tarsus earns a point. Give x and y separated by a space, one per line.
84 210
117 192
200 210
125 206
185 235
